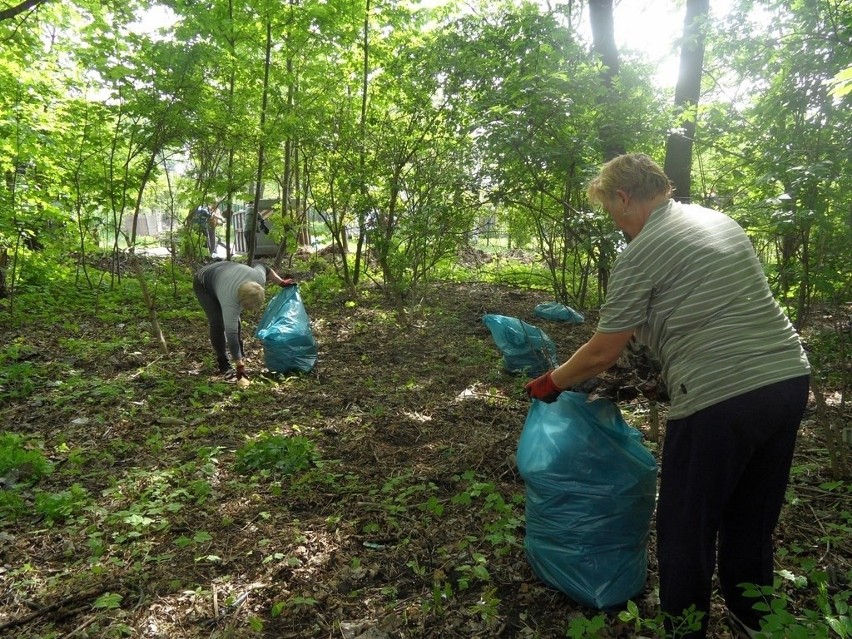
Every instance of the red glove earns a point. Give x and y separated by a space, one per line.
543 388
287 282
241 371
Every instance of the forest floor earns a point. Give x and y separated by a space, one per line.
407 523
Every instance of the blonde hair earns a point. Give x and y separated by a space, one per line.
251 295
635 173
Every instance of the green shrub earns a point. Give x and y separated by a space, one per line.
62 505
18 376
276 454
323 287
11 505
16 459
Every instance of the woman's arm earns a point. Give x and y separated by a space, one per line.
593 357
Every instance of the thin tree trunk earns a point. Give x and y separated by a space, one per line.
230 232
603 44
261 147
137 208
156 329
362 158
678 164
288 162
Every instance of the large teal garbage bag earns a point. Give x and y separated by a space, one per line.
590 491
285 331
525 348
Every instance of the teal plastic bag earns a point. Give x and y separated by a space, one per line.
285 331
590 492
558 312
525 348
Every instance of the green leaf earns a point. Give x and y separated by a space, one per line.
108 601
842 83
202 537
211 558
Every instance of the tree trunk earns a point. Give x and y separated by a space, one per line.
362 158
288 183
261 147
603 44
230 231
156 328
687 92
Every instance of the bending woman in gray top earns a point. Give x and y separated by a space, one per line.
224 289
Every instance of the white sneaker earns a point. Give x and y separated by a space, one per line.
741 631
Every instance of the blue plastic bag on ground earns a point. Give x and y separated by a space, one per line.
590 492
526 348
285 331
558 312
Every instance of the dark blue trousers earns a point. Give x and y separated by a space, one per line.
723 479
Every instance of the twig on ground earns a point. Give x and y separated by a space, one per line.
46 610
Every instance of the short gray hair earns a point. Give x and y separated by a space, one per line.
635 173
251 295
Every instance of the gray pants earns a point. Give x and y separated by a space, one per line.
209 233
213 311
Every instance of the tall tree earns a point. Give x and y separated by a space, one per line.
678 164
363 205
261 147
780 155
603 34
533 97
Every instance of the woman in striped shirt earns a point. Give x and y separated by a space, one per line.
690 287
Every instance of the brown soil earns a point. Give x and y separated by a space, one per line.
401 528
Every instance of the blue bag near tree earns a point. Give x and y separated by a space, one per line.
590 492
558 312
285 331
526 348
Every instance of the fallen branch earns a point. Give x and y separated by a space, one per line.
46 610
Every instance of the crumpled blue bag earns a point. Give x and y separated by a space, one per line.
526 348
558 312
590 491
285 331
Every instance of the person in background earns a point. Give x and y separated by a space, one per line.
690 287
261 226
224 289
206 219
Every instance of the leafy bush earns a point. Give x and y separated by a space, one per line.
15 458
60 506
276 454
12 505
18 376
829 618
323 287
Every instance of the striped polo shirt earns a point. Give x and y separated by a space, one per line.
692 288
